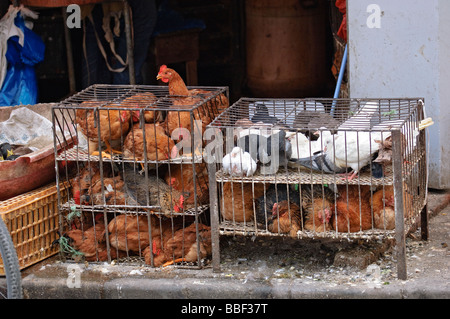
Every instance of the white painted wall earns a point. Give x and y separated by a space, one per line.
407 56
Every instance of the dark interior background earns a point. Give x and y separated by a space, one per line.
222 47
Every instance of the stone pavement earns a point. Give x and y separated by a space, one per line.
278 270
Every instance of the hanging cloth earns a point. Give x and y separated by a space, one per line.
112 10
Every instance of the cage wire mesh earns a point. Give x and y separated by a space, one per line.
319 168
139 185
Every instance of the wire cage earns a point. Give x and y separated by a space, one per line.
139 185
319 168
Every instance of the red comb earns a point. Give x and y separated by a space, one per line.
76 197
181 201
156 251
162 68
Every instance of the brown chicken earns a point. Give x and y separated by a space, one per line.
84 119
238 200
184 98
144 100
132 241
286 218
178 87
76 190
112 189
181 177
318 207
384 215
89 175
113 124
87 186
138 188
274 193
155 250
91 243
353 211
181 119
133 223
383 206
167 229
131 232
159 146
94 233
183 246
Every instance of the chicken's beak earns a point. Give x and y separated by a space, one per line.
159 77
123 117
274 210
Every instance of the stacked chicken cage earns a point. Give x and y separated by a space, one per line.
319 168
139 185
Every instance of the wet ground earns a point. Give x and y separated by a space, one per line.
271 262
339 262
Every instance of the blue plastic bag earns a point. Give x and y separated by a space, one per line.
20 84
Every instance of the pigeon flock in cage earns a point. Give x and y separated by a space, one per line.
293 168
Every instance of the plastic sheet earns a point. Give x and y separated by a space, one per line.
20 85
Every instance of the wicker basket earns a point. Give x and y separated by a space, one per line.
32 219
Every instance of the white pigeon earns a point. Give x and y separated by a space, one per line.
300 144
351 149
238 163
302 147
324 135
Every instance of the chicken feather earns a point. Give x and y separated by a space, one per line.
158 145
286 218
353 212
183 97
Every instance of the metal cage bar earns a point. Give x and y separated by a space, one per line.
135 217
394 123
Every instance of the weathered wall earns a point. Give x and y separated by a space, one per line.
406 55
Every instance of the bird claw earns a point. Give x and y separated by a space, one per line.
102 154
348 176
